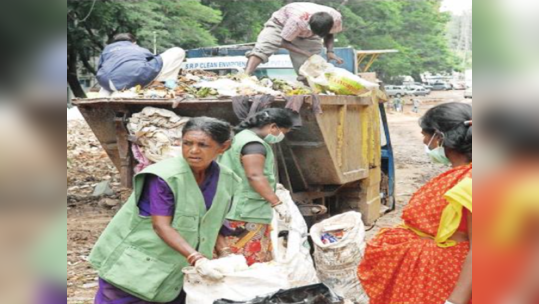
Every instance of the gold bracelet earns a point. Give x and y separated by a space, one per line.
192 255
191 259
196 259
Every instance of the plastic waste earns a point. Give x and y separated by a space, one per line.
324 77
313 294
339 247
292 266
225 87
171 84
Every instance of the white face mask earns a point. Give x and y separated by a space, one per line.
437 155
272 139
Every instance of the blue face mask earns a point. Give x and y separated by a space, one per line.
437 155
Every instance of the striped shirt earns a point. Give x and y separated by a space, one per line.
295 19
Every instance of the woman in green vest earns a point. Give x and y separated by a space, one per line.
251 158
172 220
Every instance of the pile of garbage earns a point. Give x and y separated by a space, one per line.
339 244
323 78
204 84
333 234
156 135
88 167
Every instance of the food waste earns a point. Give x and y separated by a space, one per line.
197 84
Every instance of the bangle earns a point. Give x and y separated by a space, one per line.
193 258
192 255
196 259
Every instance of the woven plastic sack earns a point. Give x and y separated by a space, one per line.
337 262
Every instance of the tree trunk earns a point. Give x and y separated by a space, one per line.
417 76
72 74
86 63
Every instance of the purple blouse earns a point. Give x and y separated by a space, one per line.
157 199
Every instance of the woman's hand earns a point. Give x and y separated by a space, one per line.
207 269
283 211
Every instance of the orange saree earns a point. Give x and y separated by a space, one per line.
402 267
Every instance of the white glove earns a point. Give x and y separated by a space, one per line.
283 212
207 269
447 302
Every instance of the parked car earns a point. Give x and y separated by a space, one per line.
441 86
468 93
420 86
396 91
427 86
458 85
417 91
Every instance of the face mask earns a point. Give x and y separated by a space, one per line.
272 139
437 155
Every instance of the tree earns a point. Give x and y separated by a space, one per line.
91 25
242 20
415 28
459 34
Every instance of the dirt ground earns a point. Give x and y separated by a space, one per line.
88 165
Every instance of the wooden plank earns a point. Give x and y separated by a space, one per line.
324 99
124 149
154 101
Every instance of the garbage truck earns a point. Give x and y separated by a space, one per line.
338 161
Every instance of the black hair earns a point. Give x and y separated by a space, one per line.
218 130
321 24
124 37
450 121
283 118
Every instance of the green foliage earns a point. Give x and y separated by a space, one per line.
415 28
242 20
174 22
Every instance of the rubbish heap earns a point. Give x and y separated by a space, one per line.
156 135
323 78
197 84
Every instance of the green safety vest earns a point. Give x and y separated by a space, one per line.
131 256
248 205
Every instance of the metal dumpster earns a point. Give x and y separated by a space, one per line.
334 159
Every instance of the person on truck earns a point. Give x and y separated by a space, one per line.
300 28
251 158
124 65
433 247
173 220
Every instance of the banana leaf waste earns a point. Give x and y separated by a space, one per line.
313 294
